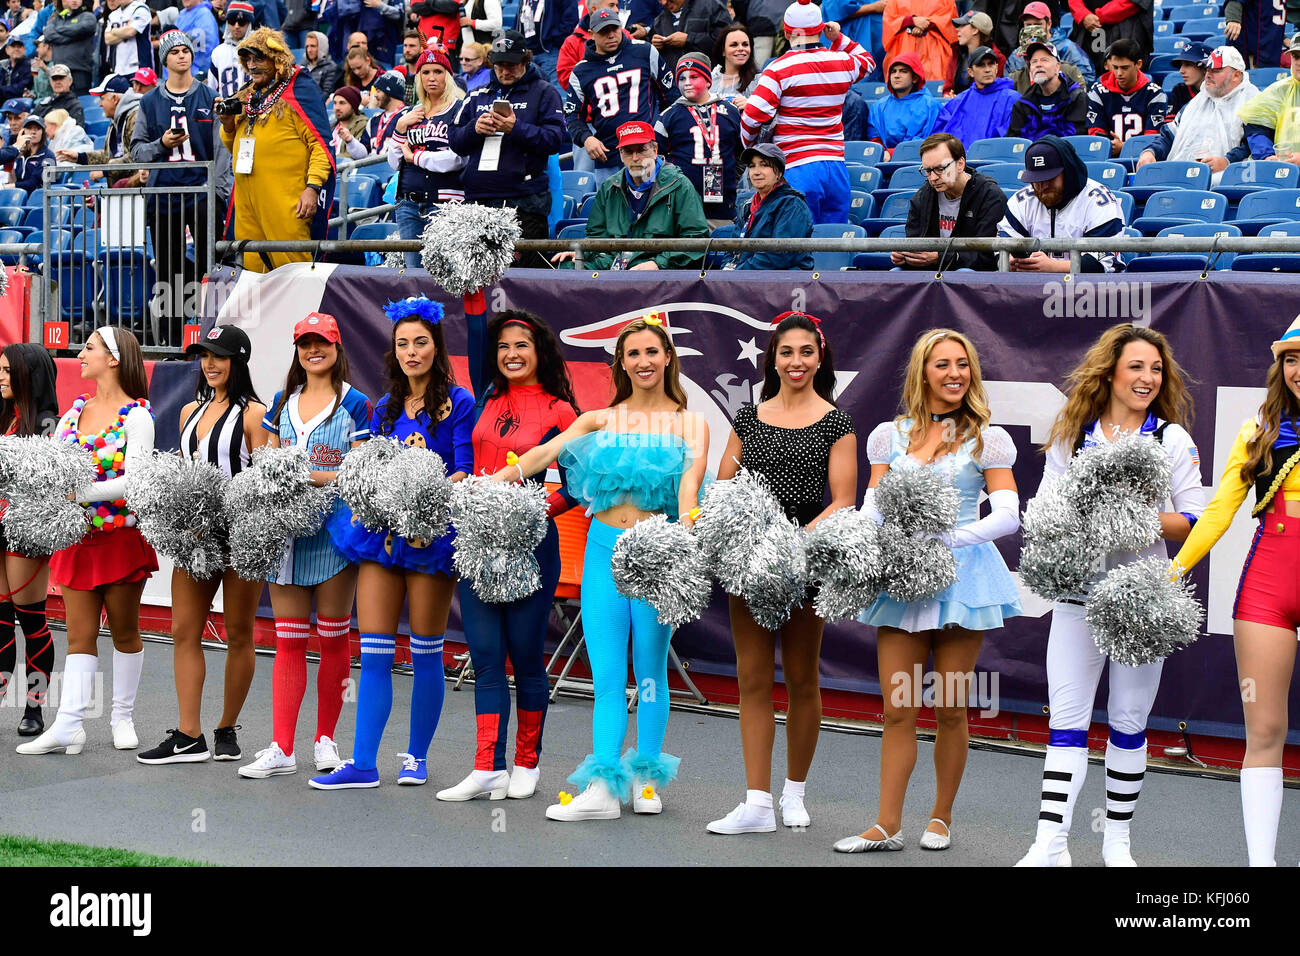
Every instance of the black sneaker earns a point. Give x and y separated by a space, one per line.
225 744
177 748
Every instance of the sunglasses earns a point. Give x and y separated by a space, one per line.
239 20
252 55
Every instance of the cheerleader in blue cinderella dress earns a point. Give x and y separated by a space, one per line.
944 391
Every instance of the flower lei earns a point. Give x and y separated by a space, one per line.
107 450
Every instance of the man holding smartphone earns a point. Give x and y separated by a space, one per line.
509 129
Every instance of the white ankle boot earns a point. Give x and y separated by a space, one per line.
66 734
489 783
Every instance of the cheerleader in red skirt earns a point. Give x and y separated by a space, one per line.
106 571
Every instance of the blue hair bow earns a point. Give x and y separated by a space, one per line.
414 307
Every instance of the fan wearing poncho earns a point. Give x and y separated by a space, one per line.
1266 614
320 411
944 428
1272 119
107 569
1127 383
525 400
625 473
799 442
424 408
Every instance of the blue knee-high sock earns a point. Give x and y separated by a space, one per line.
374 697
427 694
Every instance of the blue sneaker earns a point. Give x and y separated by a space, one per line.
346 777
414 772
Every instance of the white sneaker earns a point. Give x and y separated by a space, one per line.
594 803
793 813
746 818
269 762
477 784
1040 855
124 737
523 782
645 798
327 755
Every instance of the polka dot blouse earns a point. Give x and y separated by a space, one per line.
795 461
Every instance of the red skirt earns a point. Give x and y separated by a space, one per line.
121 556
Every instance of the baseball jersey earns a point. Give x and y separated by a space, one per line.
1095 211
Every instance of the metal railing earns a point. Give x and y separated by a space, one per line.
347 216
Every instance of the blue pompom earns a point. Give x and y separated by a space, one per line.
414 307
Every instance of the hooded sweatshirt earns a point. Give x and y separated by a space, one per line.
693 136
893 119
979 113
1087 208
324 71
1064 113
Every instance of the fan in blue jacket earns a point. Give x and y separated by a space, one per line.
1054 105
909 112
776 211
31 156
983 111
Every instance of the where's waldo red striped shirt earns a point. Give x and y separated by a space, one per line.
804 90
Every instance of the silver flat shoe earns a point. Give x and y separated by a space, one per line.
860 844
936 841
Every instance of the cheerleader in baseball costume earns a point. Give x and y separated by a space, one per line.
945 426
222 426
525 399
799 441
105 573
1127 383
321 412
28 406
643 455
1267 610
425 408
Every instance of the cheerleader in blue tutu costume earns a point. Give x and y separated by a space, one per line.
425 408
945 427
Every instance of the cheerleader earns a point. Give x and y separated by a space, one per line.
643 455
222 426
945 426
1128 383
799 441
424 408
320 411
1267 609
28 406
526 400
104 574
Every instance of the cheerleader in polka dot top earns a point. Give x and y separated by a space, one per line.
106 571
800 442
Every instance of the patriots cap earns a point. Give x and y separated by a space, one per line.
223 340
509 47
1041 45
145 76
1197 54
391 84
1042 162
604 19
634 133
113 83
19 104
1226 56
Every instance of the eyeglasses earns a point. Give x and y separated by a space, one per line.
928 171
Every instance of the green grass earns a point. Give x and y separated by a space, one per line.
24 851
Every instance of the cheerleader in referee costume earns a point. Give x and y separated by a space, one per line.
1127 383
222 426
643 455
28 406
525 399
104 574
317 410
944 426
1267 610
424 408
799 441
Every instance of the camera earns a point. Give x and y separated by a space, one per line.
231 106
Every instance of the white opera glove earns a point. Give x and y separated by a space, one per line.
1002 519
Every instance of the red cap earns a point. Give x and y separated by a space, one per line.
911 61
1038 10
146 76
634 133
318 323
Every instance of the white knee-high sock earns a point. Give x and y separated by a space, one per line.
1125 770
76 690
126 681
1063 774
1261 808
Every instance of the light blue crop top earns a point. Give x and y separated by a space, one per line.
606 468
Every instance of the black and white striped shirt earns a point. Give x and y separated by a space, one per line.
225 444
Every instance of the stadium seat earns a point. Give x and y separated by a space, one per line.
364 193
865 178
1127 204
1266 207
86 241
863 153
1167 43
1161 63
934 87
576 230
1271 261
1241 179
909 177
1155 177
578 182
1006 175
96 128
893 211
1264 76
1203 28
876 261
585 210
13 196
1090 147
11 216
1164 30
33 198
834 261
860 205
906 153
1111 175
74 274
128 284
716 259
7 236
374 230
1009 149
1184 261
871 91
1176 207
1132 149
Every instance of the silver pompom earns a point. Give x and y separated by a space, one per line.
917 567
775 578
1135 466
37 475
269 502
1121 521
1137 615
362 478
468 246
918 500
843 554
734 515
416 495
395 260
498 526
1060 555
255 553
179 508
39 526
4 281
659 562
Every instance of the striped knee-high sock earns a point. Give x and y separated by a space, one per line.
288 679
8 646
427 692
374 697
1063 774
39 648
332 673
1126 765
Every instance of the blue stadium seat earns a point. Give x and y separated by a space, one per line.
834 261
1090 147
74 273
1182 261
865 178
578 182
1161 63
1241 179
1263 76
577 230
1267 207
96 128
374 230
128 284
909 177
1203 28
1006 175
11 216
716 259
33 198
1132 149
1109 174
894 210
364 192
86 241
1009 149
906 153
934 87
1155 177
863 153
1164 30
7 236
875 261
585 210
1127 204
12 196
1169 44
563 224
871 91
1271 261
860 205
1176 207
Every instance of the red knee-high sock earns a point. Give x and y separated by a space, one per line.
332 674
288 679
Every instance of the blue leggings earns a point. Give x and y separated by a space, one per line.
517 630
607 618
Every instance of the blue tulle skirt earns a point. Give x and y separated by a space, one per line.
357 544
982 597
